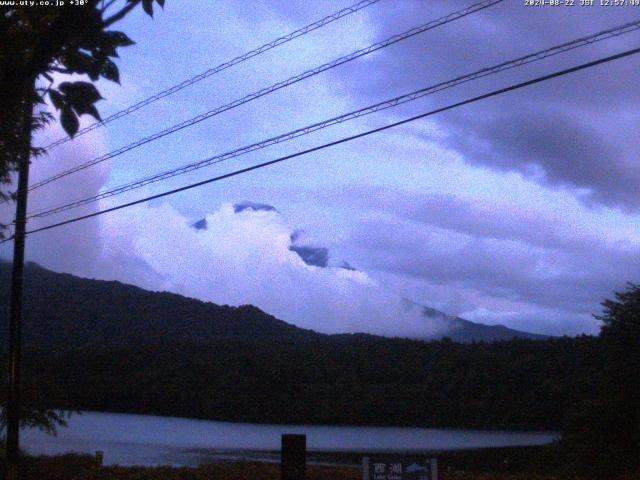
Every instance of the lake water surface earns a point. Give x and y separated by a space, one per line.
149 440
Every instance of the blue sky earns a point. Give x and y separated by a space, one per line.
520 210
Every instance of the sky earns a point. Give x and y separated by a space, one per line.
521 210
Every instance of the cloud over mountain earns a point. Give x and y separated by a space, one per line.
246 258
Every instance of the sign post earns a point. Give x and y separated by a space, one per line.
399 468
293 464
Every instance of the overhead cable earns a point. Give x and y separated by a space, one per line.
346 139
277 86
524 60
223 66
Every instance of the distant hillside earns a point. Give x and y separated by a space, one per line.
64 312
462 330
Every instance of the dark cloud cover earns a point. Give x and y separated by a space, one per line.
576 131
563 263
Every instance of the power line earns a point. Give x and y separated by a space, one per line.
524 60
277 86
347 139
223 66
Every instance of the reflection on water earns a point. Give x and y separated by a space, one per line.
149 440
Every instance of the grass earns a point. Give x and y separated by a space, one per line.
474 465
84 467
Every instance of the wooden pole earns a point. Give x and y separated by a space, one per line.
293 462
15 308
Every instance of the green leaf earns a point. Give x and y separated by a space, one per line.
69 121
118 39
80 93
89 110
80 62
56 99
86 108
105 48
79 97
110 71
147 5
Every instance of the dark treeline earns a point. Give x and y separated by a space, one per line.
519 384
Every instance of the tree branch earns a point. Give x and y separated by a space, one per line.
121 14
60 70
104 7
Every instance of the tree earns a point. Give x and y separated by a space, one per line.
604 436
620 336
39 46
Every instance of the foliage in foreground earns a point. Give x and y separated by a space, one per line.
83 467
603 435
79 467
39 45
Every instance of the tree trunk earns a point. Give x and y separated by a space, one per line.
17 282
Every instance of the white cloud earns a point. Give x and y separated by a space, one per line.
71 248
244 258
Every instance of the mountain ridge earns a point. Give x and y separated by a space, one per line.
63 311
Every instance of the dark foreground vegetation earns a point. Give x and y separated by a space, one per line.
535 463
78 467
508 385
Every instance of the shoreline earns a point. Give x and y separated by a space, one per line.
353 459
129 439
515 463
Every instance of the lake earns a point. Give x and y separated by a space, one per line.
150 440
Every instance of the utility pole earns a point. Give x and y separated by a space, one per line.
15 308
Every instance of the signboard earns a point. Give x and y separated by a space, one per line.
399 468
